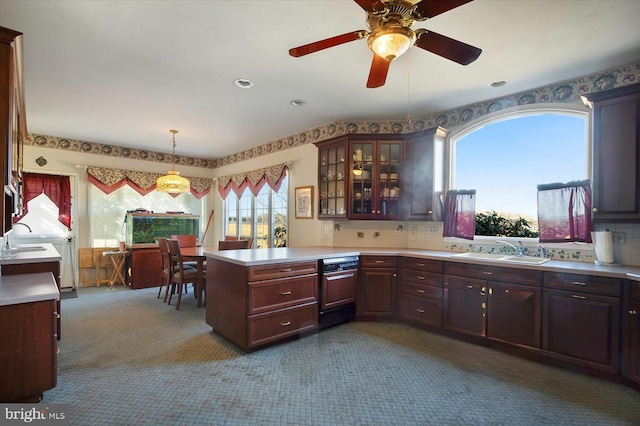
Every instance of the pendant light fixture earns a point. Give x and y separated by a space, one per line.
172 182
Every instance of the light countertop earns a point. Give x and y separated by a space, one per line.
293 254
25 288
47 254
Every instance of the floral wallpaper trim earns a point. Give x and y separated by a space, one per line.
568 91
76 145
144 180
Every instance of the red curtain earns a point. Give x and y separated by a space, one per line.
57 188
255 189
460 214
564 212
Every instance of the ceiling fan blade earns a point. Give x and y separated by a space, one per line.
326 43
378 73
446 47
430 8
372 6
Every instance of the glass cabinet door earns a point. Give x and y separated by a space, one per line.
363 169
332 181
388 189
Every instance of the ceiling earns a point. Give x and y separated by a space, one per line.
125 72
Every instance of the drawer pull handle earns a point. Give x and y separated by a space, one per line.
379 261
420 311
469 286
420 277
285 293
633 312
578 283
420 264
419 290
284 324
487 273
575 296
286 270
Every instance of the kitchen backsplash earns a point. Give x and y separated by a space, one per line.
428 235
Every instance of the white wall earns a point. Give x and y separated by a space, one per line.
303 171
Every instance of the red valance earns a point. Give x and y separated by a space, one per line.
254 180
108 180
57 188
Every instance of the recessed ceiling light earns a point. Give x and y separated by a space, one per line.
243 83
498 83
298 102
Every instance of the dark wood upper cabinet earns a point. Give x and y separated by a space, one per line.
13 126
616 154
424 175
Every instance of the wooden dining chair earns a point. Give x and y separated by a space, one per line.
186 241
166 268
180 275
235 245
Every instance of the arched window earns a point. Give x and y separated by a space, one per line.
506 157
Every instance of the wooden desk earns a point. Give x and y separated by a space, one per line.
197 254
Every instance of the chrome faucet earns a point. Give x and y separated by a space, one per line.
519 250
7 246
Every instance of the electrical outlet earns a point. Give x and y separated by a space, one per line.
414 230
619 238
433 230
326 229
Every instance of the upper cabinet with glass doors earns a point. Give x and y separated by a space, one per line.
332 170
375 180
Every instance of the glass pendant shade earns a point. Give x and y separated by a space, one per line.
172 182
391 41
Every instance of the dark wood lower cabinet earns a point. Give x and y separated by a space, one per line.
377 293
583 328
513 314
631 345
465 305
28 351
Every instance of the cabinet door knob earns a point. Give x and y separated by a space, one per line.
633 312
595 210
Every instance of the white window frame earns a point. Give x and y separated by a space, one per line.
577 110
271 217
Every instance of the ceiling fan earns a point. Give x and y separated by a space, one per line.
390 35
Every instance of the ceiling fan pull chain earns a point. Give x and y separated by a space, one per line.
408 86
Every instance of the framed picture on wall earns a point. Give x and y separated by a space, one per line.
304 202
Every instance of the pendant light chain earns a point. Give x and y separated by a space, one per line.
408 85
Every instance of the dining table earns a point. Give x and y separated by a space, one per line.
197 254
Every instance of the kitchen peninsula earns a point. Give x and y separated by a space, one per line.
573 314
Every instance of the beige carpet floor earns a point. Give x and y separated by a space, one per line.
128 359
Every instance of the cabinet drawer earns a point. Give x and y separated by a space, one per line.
276 294
282 270
420 290
425 311
419 277
494 273
435 266
378 261
583 283
276 325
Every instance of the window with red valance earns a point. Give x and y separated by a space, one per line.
57 188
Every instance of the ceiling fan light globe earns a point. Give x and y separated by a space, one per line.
391 42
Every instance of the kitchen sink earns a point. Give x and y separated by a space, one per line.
487 256
526 260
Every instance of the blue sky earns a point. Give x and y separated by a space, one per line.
506 160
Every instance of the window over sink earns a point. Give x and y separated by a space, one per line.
505 157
